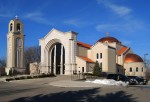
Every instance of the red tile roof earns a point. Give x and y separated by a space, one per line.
130 57
84 45
122 50
86 59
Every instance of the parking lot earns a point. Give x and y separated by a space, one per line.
44 90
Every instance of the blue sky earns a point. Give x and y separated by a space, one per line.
126 20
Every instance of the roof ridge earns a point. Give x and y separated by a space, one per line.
79 43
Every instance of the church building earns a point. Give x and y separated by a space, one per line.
62 53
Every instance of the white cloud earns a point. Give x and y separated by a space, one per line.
73 22
127 23
106 27
77 22
119 10
37 17
129 26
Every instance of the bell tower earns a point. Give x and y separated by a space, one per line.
15 47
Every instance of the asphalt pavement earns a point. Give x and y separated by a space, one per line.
53 90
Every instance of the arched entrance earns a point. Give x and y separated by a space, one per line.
57 59
58 52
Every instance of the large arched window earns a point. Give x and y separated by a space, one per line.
18 27
11 26
18 52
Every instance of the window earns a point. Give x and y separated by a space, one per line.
11 27
118 70
82 69
18 27
18 52
101 55
142 69
97 56
136 69
130 69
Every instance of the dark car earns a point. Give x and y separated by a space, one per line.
120 77
138 80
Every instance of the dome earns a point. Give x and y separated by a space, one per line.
109 39
130 57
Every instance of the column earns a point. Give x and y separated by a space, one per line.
73 56
45 68
71 68
54 60
61 60
49 61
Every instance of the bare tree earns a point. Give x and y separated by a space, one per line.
2 63
147 63
147 74
2 66
32 54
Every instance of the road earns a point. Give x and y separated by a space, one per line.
39 90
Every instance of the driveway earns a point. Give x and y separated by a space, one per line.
42 90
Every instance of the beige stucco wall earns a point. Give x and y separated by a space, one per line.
80 63
99 48
88 67
140 65
82 51
113 44
111 60
108 59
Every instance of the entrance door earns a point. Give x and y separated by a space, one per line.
58 59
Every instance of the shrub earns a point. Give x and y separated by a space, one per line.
97 69
29 77
9 79
17 78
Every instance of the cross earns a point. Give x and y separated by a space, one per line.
107 34
16 17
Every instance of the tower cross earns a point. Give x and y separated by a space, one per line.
107 34
16 17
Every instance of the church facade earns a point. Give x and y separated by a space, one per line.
62 53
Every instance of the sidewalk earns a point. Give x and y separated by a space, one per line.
69 83
2 79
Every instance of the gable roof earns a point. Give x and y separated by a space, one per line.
122 50
83 45
86 59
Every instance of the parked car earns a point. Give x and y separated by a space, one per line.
120 77
138 80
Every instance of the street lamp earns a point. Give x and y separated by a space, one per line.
145 59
